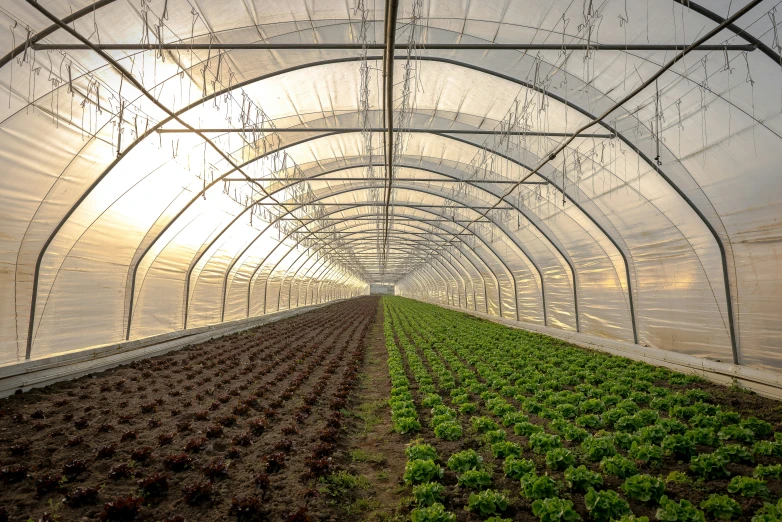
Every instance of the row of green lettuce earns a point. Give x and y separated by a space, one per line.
607 404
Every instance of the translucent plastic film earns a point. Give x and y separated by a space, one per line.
237 160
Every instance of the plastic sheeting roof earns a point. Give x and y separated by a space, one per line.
169 164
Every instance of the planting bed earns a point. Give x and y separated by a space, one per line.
407 410
508 424
241 427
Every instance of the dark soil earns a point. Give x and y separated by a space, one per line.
240 426
257 425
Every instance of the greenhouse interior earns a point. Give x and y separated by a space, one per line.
390 260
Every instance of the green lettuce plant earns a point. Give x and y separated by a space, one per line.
581 478
526 429
554 510
559 459
420 451
646 453
448 430
490 437
772 470
516 468
644 488
678 446
748 487
505 449
605 505
683 511
597 448
464 461
475 479
710 466
420 471
428 494
483 424
721 506
434 513
487 502
618 465
542 443
535 487
769 512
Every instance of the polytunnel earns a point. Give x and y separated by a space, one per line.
607 169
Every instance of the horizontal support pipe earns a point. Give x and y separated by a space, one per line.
416 130
396 219
397 231
377 46
378 203
419 180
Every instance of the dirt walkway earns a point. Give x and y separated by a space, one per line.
373 454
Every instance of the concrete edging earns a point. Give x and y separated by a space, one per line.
49 369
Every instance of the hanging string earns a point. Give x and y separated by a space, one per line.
658 129
704 88
751 83
775 43
13 46
564 175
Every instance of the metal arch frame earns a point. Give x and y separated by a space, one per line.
171 116
738 31
478 271
518 245
665 177
333 285
513 276
410 249
446 282
285 255
298 292
427 284
464 283
406 243
421 278
464 253
647 160
254 46
131 292
290 286
327 263
236 259
53 28
353 189
559 249
335 211
513 239
455 281
203 251
448 252
285 275
694 207
332 266
326 280
336 286
448 300
282 283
